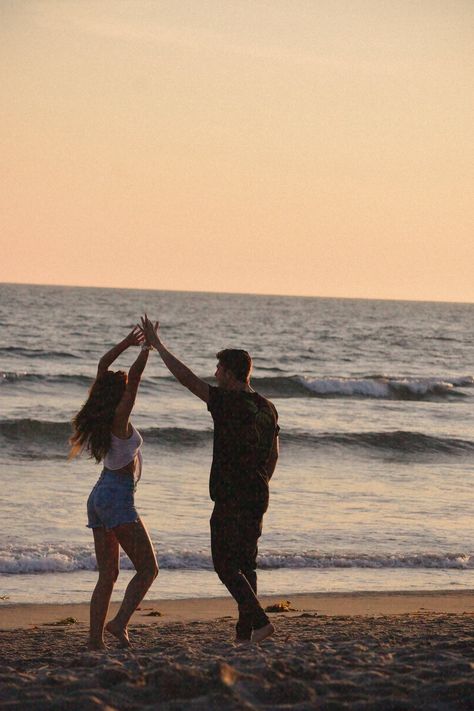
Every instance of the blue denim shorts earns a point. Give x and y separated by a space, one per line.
111 501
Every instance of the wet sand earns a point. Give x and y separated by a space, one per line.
383 651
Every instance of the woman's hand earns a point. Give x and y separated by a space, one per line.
135 337
150 331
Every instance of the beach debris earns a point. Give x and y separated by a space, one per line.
227 674
4 597
64 621
153 613
282 606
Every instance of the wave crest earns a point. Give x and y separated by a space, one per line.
398 441
57 558
39 433
368 387
387 388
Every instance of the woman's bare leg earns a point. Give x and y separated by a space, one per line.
107 554
134 539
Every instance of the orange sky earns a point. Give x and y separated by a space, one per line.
316 147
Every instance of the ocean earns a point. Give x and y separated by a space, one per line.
373 489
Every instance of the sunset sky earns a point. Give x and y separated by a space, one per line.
315 147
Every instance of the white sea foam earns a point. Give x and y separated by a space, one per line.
66 559
385 387
460 561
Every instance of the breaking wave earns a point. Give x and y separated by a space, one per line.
371 387
387 388
57 558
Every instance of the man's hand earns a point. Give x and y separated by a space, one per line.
180 371
149 331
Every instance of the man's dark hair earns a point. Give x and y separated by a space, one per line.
237 361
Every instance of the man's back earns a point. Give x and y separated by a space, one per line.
245 427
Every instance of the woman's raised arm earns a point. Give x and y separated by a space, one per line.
125 406
134 338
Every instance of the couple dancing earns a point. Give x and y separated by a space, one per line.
245 454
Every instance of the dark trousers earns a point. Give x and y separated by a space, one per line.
234 538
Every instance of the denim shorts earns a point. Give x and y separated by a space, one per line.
111 501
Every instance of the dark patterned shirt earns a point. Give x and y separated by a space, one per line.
245 427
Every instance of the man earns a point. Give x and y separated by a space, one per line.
244 458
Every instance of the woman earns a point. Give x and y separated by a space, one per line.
103 428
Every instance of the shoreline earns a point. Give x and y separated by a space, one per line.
365 604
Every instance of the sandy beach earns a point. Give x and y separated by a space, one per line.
382 651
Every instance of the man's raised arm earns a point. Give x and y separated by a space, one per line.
180 371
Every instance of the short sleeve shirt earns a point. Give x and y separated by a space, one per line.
245 427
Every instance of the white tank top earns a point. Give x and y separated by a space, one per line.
124 451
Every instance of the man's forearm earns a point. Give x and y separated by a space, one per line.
180 371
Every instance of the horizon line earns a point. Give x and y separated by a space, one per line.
238 293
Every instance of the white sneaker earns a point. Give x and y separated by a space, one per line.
262 633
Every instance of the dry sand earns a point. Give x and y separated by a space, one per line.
383 651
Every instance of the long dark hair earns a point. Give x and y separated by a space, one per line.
93 423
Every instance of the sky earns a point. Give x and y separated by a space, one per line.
313 147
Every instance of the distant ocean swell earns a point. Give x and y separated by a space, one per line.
36 353
371 387
398 441
56 558
55 434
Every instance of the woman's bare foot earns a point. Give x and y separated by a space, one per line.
119 632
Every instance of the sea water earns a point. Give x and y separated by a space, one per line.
373 489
